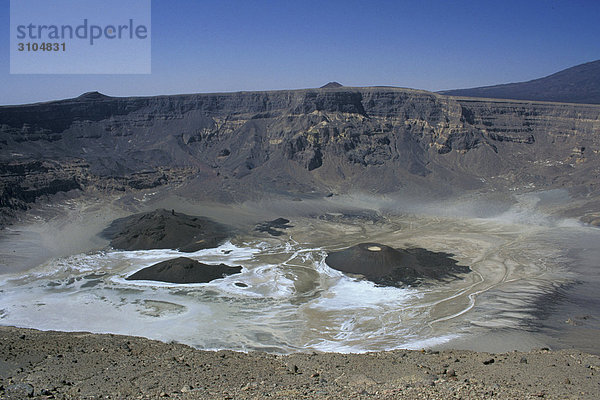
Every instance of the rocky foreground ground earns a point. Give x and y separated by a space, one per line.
47 365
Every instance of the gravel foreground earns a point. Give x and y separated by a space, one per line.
59 365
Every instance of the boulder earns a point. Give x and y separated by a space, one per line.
385 265
162 229
183 270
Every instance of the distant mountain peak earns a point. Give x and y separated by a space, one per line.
92 96
578 84
332 85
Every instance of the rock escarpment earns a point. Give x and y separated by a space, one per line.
235 146
24 182
385 265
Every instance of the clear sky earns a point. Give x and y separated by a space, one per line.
229 45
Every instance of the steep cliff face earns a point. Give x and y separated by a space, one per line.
235 145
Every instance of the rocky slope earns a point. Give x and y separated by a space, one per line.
233 146
578 84
55 365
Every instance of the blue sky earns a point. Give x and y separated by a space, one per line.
212 46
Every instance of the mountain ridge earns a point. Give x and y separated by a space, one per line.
577 84
310 142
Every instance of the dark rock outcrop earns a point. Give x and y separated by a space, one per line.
183 270
162 229
274 227
578 84
385 265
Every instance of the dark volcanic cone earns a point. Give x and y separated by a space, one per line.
395 267
183 270
162 229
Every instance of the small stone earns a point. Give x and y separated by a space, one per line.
567 381
250 386
293 368
315 375
186 389
163 394
450 372
523 360
488 362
